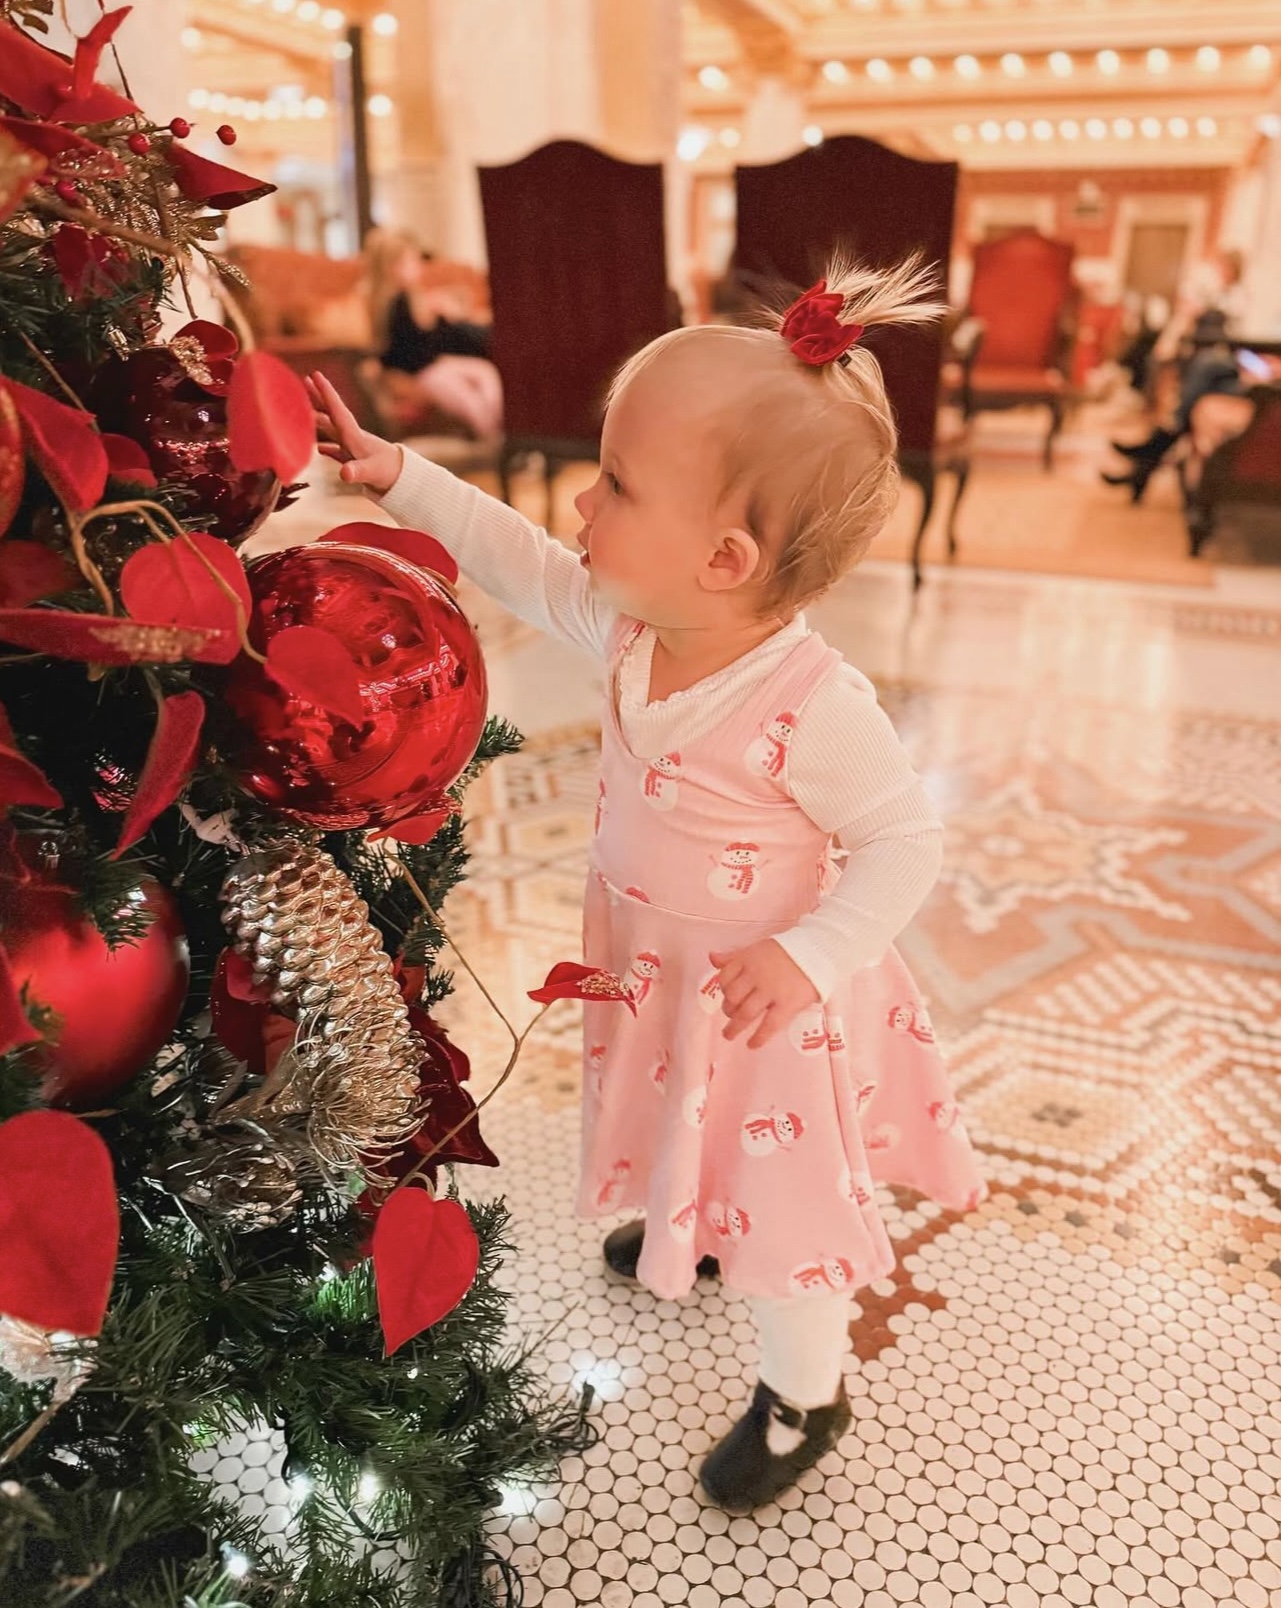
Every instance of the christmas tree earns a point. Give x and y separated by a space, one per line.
229 815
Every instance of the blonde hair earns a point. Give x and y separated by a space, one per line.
383 250
811 448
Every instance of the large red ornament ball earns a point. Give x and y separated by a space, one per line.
13 460
422 685
182 427
116 1007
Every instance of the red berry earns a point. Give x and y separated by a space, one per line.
66 191
139 144
179 127
227 134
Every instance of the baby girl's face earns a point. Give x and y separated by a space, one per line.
654 538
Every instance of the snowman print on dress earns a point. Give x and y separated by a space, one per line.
694 1106
639 895
683 1220
767 755
884 1136
730 1222
660 784
735 871
710 994
612 1188
596 1068
659 1071
807 1030
764 1133
913 1020
642 975
855 1186
943 1114
836 1035
600 806
827 1276
863 1094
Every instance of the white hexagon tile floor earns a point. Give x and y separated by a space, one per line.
1071 1395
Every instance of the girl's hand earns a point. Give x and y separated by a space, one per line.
367 460
761 981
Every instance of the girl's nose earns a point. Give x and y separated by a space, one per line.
583 502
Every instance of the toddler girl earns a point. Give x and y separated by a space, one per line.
779 1062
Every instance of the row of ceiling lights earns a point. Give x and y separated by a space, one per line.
329 17
1208 58
286 102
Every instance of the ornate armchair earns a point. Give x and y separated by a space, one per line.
852 194
578 282
1023 294
1244 468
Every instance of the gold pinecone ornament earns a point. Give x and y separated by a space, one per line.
353 1071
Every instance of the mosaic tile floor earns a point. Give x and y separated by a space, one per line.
1072 1394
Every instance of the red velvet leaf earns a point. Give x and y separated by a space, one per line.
425 1259
199 179
38 79
171 758
65 443
413 545
108 639
269 417
172 582
59 1222
15 1028
84 64
240 1009
317 667
568 980
56 143
21 782
418 829
127 461
30 570
216 339
87 264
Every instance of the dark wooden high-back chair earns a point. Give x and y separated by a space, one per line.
851 194
1244 469
578 283
1023 295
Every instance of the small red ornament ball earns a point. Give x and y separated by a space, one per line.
116 1007
226 134
179 127
66 191
139 144
422 683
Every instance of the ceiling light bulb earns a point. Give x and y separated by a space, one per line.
812 134
880 70
379 105
1269 125
1016 130
836 72
990 131
1123 128
921 67
962 133
1096 128
1069 129
1042 129
968 66
1208 59
1158 60
1150 128
1207 127
1108 62
1060 64
730 137
712 77
1259 57
386 24
1178 126
692 143
1013 64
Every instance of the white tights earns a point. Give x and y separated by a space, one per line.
803 1345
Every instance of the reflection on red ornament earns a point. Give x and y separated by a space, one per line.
422 685
115 1007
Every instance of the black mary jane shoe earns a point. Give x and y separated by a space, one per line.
742 1473
623 1248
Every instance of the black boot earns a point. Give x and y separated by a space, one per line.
623 1248
742 1473
1146 458
1157 444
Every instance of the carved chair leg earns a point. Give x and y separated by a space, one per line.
924 476
1056 424
961 468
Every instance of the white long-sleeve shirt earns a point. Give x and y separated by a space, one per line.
845 766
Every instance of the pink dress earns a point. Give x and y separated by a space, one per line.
762 1158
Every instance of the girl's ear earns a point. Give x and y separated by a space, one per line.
733 560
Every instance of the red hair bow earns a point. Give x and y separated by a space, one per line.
813 330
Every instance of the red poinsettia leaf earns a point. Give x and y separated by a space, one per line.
126 460
108 639
62 147
414 545
89 49
38 80
238 972
569 980
59 1222
195 581
30 570
15 1029
270 423
448 1107
241 1012
87 263
171 758
21 166
410 980
425 1259
65 443
316 666
419 829
201 180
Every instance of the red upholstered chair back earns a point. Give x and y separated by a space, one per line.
1021 289
850 193
577 280
1256 457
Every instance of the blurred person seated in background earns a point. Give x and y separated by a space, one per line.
1212 368
431 356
